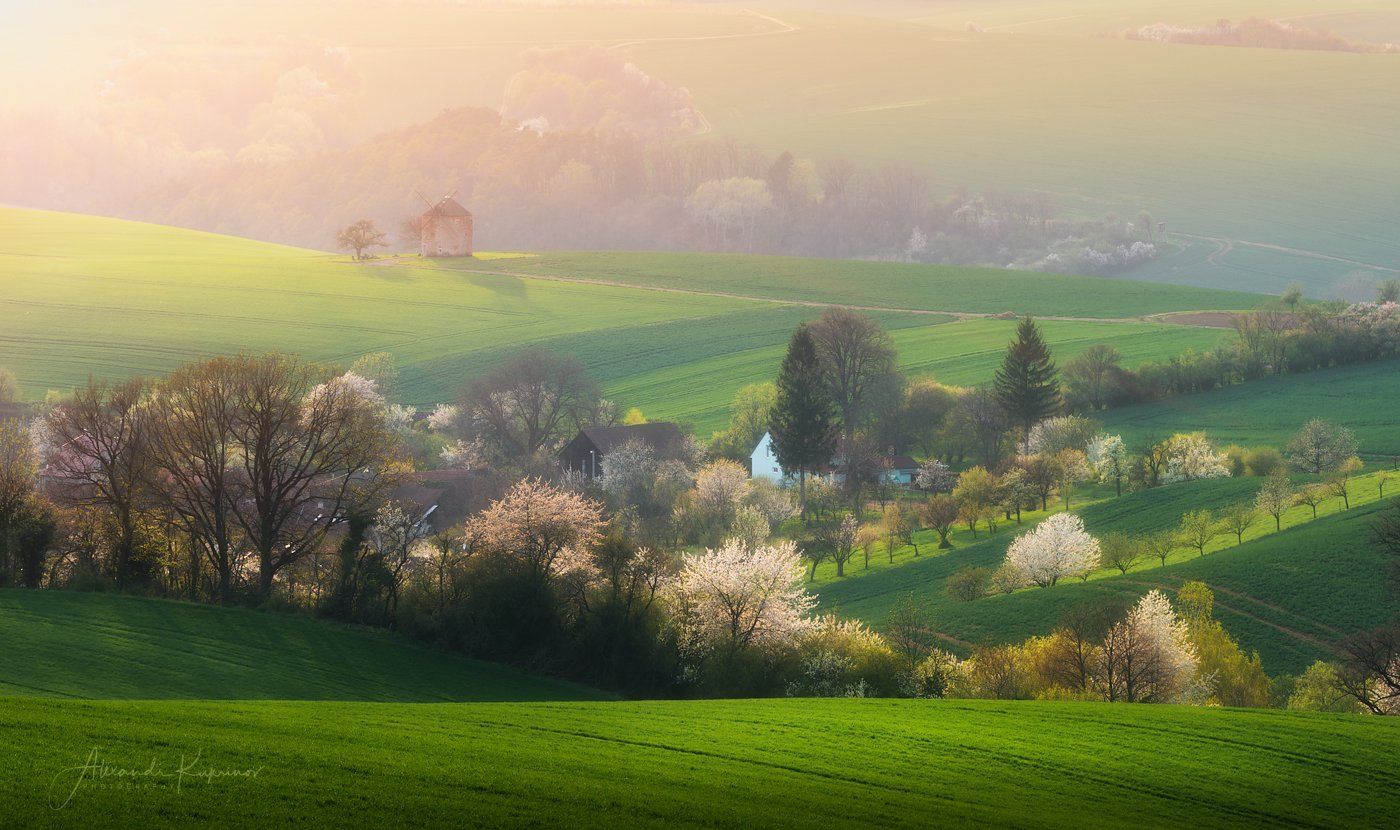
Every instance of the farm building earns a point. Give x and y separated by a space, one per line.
445 229
443 498
586 453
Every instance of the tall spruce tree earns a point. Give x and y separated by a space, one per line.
804 416
1027 385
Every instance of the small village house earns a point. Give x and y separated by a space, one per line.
586 454
763 463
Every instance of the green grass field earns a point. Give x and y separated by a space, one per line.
769 763
1364 398
880 284
1291 595
84 295
99 646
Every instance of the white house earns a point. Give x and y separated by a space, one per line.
763 462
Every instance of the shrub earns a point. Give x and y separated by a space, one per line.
969 583
1263 461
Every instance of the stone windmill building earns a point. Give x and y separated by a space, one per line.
445 229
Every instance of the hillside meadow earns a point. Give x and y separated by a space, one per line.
1364 398
90 296
1290 595
742 763
106 646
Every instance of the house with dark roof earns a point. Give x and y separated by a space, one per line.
443 498
445 229
586 452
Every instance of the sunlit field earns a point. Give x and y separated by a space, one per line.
774 763
113 299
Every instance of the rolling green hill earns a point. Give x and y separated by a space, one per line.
766 763
878 284
99 646
1291 595
1364 398
84 295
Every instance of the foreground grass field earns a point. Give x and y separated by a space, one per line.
84 295
766 763
1292 596
68 644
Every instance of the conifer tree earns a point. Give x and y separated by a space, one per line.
1027 385
804 416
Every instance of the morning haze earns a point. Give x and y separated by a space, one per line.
791 413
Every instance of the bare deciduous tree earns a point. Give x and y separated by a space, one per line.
530 403
99 450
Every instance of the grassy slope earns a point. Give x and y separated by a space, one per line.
888 284
1214 141
965 353
87 295
799 763
111 647
1365 398
1290 595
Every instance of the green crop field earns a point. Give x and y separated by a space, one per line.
767 763
880 284
83 295
1364 398
964 353
69 644
1291 595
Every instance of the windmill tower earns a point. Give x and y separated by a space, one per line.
445 228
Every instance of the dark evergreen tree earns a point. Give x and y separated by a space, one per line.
1027 385
804 417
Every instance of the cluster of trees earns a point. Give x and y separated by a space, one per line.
1059 547
210 483
1271 341
1148 652
990 425
1254 33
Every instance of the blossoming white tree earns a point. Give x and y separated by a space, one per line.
738 597
935 477
1148 657
1057 547
1108 458
443 418
548 530
1062 432
1190 456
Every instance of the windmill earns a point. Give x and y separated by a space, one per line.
445 228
